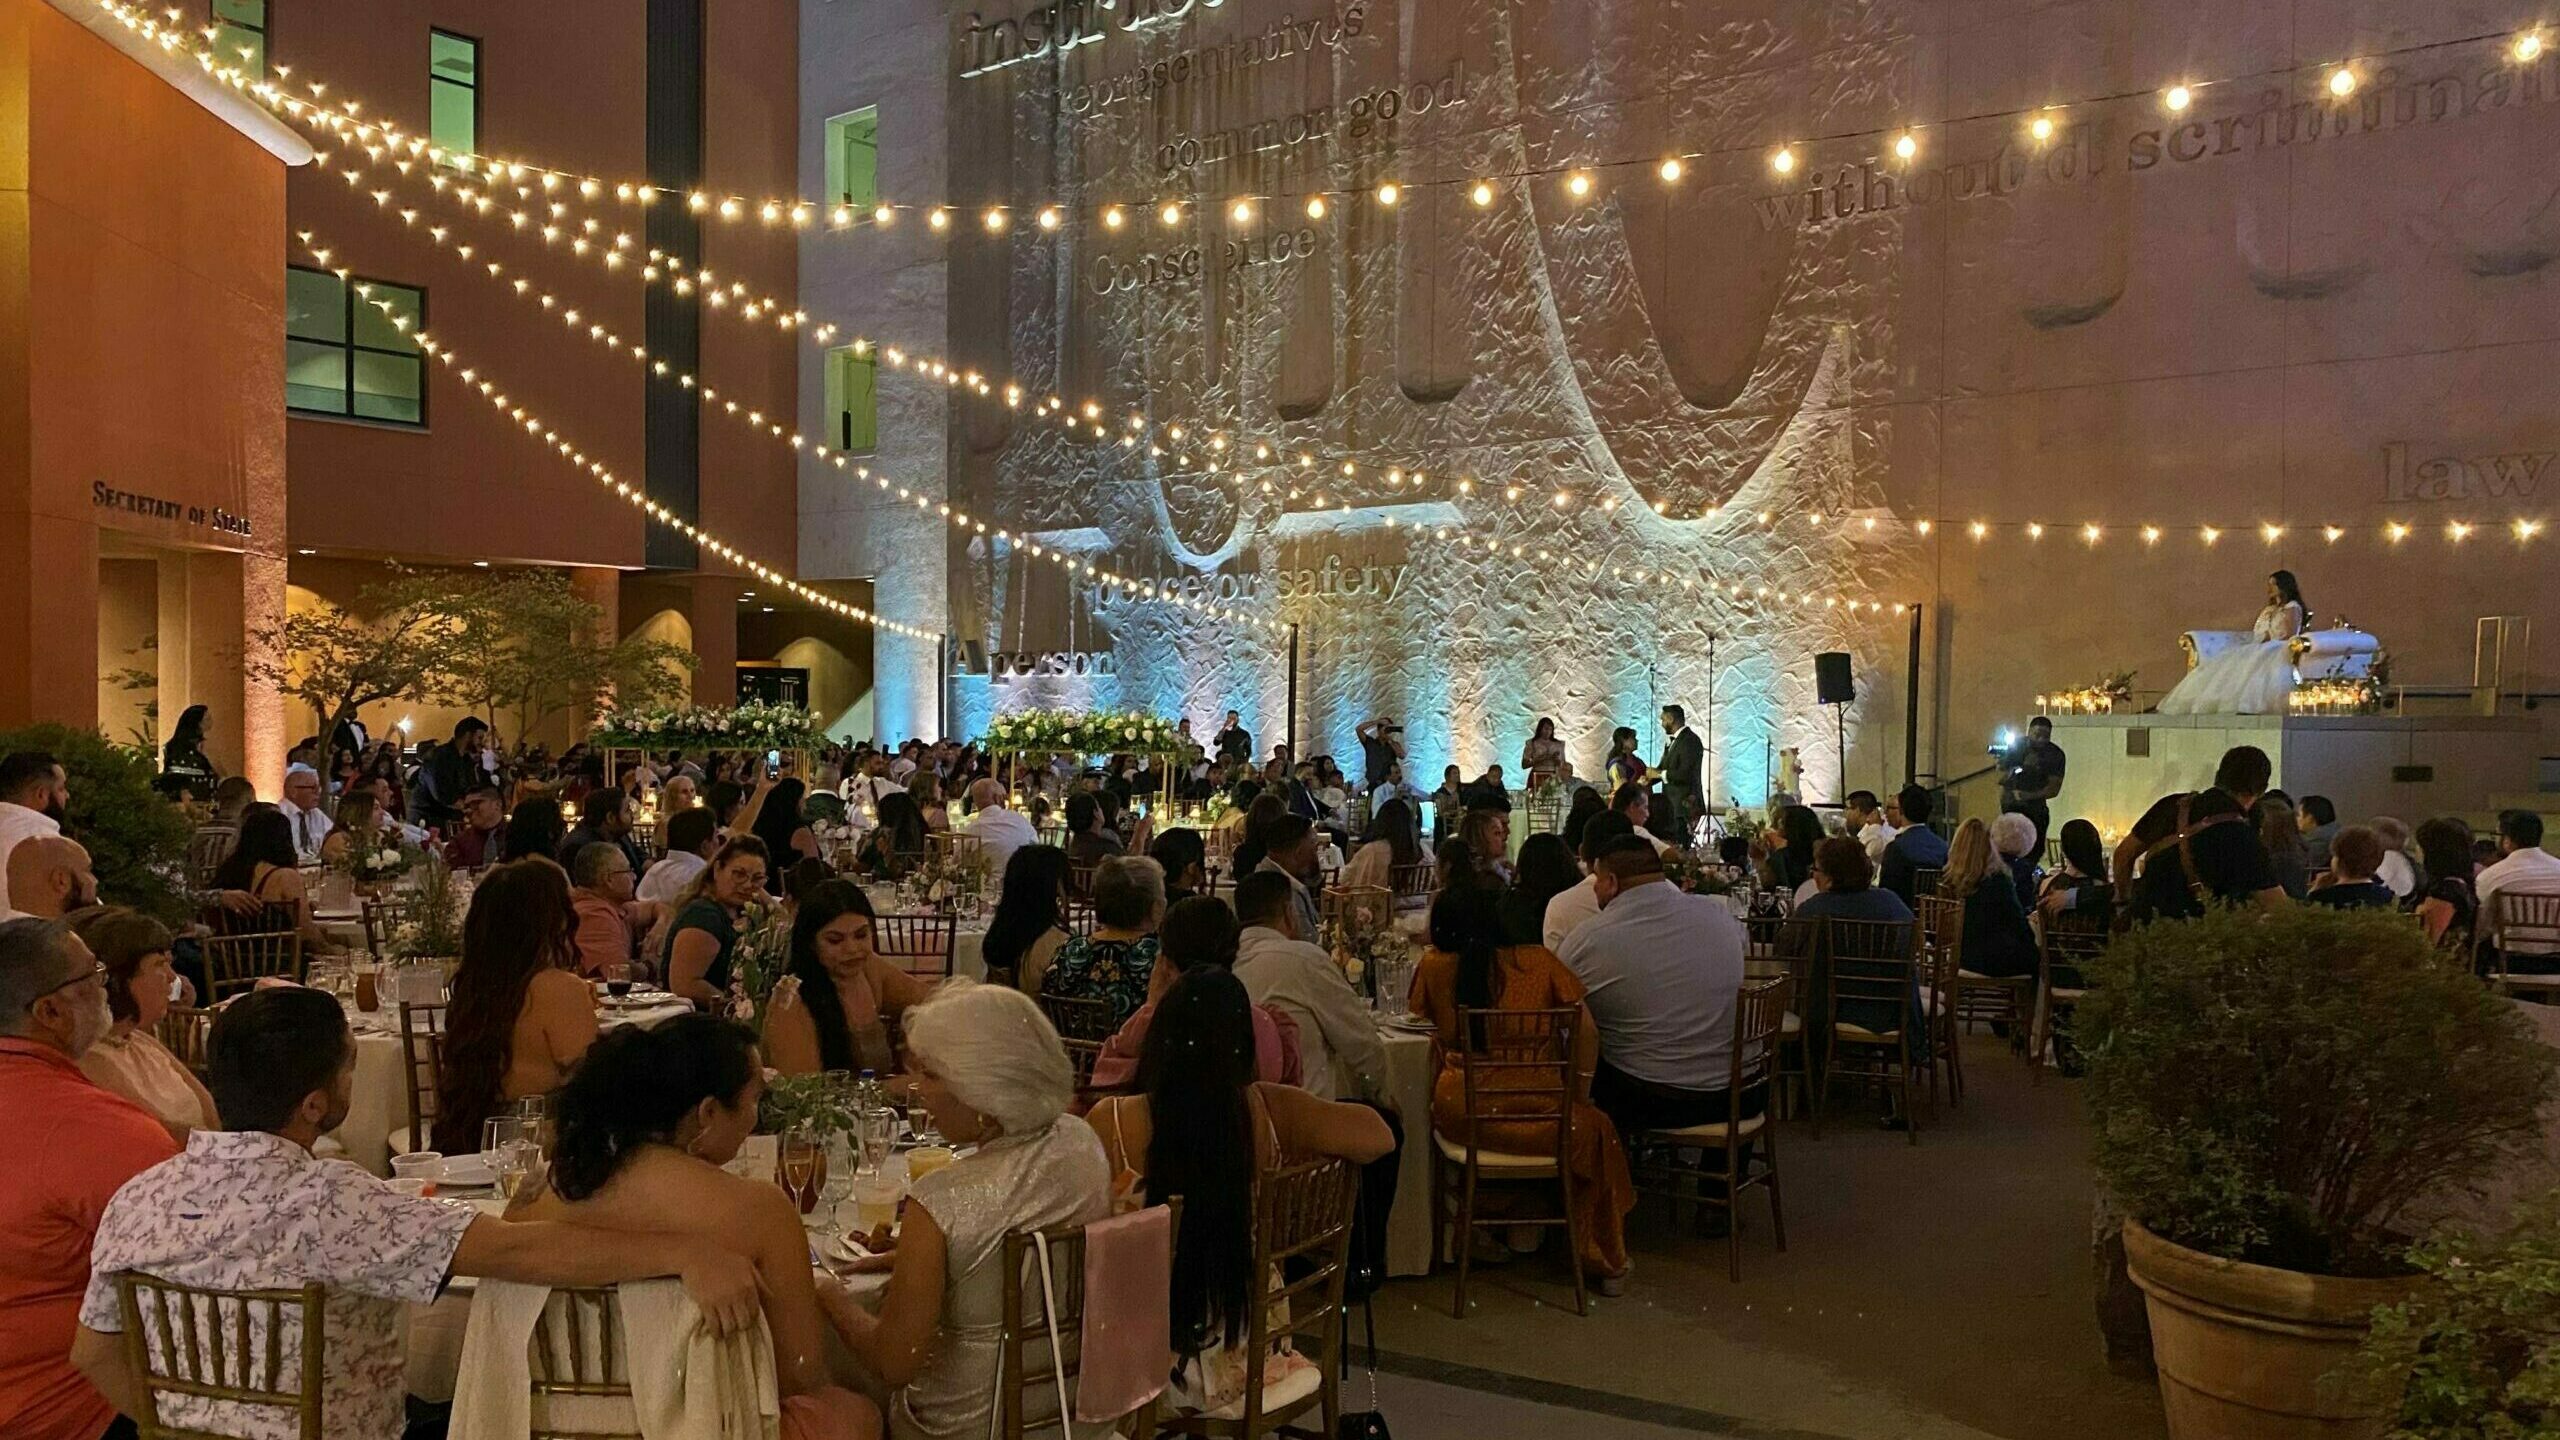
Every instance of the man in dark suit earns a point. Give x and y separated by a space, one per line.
1684 761
1234 742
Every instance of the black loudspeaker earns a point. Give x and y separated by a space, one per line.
1831 682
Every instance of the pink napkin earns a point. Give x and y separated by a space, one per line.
1128 1327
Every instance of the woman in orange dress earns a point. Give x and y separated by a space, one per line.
1472 963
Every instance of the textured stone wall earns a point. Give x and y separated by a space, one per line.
2127 324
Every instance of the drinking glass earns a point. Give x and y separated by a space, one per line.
879 1135
875 1202
617 979
497 1132
799 1156
837 1186
518 1160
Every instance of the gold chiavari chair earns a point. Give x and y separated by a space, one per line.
1417 881
578 1368
1027 1369
1301 1225
422 1059
1759 1017
234 964
204 1348
1083 1026
918 944
1942 972
2526 917
2061 979
207 848
381 917
182 1033
1878 1022
1518 1074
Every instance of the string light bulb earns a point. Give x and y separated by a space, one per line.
2150 534
1241 212
883 216
1670 171
1783 160
1906 145
1171 214
1482 194
2342 81
938 218
2041 128
2529 46
1049 217
2527 529
1578 184
994 220
1389 193
1315 207
1113 218
2177 98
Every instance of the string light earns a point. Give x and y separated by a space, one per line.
1482 194
995 221
1783 160
1389 193
2342 81
1906 145
2528 47
938 218
1049 217
1578 184
1670 171
1315 207
2040 128
1113 219
2177 98
1171 214
1241 212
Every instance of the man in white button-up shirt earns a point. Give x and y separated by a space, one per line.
1000 829
1339 1050
305 809
2523 867
33 795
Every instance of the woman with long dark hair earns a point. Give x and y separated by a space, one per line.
1626 767
1547 869
2254 677
1203 1129
1474 965
838 1003
1544 754
1787 859
895 845
264 866
535 829
643 1127
704 934
1030 923
786 836
184 768
519 1015
1393 841
2081 888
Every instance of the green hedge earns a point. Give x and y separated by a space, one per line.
136 838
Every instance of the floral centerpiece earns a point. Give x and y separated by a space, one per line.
1082 732
379 860
748 725
1362 943
433 927
2099 697
1694 873
821 1102
757 961
946 881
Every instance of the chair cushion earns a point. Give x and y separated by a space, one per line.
1511 1166
1705 1134
2061 992
1847 1031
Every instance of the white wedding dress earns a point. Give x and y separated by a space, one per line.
2251 679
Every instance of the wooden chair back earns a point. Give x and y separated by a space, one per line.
1080 880
2067 954
1924 880
2530 916
1941 925
237 1351
422 1059
1083 1025
1760 1017
234 964
1417 881
1027 1370
1079 917
381 917
918 944
1301 1228
578 1365
182 1033
265 920
1516 1070
1872 962
206 850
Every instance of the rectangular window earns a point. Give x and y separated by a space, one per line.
344 356
853 399
240 33
453 92
853 158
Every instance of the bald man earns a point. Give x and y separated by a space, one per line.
1000 830
49 877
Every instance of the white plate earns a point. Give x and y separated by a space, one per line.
1409 1024
846 1248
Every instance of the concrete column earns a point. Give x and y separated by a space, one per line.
714 613
600 586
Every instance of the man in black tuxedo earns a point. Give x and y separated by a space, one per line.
1684 760
1234 742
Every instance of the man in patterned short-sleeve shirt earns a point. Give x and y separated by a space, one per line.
250 1208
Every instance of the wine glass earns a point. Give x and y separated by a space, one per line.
617 979
496 1133
517 1161
797 1168
838 1184
879 1135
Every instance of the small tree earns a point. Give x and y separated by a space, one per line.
404 639
533 648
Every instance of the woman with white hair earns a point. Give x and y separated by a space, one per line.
990 1071
2014 836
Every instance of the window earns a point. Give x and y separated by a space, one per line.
853 158
344 356
453 92
240 33
853 399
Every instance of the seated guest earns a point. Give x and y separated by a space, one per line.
2352 883
1185 858
1578 902
1586 805
999 828
603 817
990 1074
1785 850
1845 888
1259 817
611 919
68 1146
925 788
1289 851
2449 908
519 1014
262 866
1867 823
2013 838
248 1207
129 1059
643 1130
1488 791
358 823
2080 888
1198 933
679 794
1029 926
481 833
1547 869
774 816
1113 963
2399 874
1998 941
1914 847
1634 803
2319 822
1338 1044
1661 973
2522 866
50 876
535 828
1393 842
2280 831
894 846
306 812
1476 962
1220 1128
704 933
837 1004
692 838
1088 843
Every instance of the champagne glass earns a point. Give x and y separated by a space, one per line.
496 1133
797 1168
879 1135
517 1161
837 1185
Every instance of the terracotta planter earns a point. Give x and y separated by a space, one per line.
2248 1352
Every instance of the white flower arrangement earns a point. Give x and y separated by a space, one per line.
1082 732
749 725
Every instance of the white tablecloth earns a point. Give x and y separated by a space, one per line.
1409 1079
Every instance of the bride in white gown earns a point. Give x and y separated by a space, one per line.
2251 679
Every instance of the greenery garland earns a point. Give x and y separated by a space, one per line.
750 725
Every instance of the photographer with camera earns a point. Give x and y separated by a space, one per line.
2031 775
1381 749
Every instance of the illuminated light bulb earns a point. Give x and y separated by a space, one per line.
841 216
2342 81
1906 145
2331 533
939 218
731 209
2459 531
770 213
2034 531
2211 534
2271 533
2150 534
994 221
1671 171
1817 517
2527 529
2041 127
1783 160
2396 531
1482 194
1870 522
2529 46
1112 219
2177 97
1171 214
1241 212
1578 184
1924 526
1315 207
1979 529
1390 193
1049 218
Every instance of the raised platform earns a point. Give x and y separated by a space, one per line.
2409 766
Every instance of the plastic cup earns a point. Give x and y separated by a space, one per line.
925 1159
421 1165
875 1202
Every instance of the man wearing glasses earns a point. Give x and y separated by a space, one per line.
68 1146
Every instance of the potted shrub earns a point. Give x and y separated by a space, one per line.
2271 1092
136 837
2479 1340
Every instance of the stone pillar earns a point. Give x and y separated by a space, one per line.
221 596
714 614
600 586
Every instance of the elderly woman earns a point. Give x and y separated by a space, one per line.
991 1073
131 1061
2014 836
1114 963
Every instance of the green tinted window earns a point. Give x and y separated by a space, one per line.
453 92
853 400
853 158
240 33
343 355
